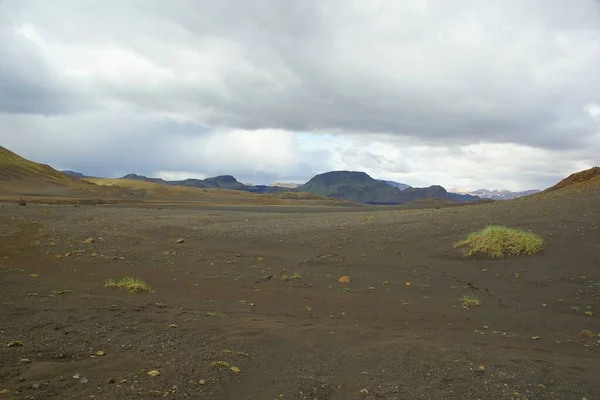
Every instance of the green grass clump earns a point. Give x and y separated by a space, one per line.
470 300
132 285
500 241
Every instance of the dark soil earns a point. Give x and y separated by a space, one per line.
231 292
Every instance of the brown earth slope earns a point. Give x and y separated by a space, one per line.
579 179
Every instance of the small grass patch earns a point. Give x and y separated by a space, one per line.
286 277
470 300
221 364
132 285
500 241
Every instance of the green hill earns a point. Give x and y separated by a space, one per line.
14 167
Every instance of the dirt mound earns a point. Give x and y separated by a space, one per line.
592 174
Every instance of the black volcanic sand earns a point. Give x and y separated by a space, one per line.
221 296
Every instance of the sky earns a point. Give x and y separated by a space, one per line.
463 93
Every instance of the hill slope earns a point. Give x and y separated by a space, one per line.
15 167
591 176
360 187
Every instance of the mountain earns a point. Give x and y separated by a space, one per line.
216 182
15 167
495 194
360 187
285 185
582 178
73 174
398 185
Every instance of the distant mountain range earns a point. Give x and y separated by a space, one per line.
495 194
353 186
360 187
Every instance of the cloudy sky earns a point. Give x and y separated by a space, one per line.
463 93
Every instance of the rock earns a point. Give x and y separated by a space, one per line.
22 203
364 392
586 334
83 381
15 343
76 376
25 360
89 240
100 353
111 381
236 370
345 279
589 313
179 241
3 392
407 284
481 368
536 337
153 373
202 382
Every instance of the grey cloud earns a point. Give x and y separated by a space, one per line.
452 75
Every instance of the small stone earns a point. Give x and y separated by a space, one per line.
100 353
481 368
407 284
541 386
111 381
179 241
35 386
345 279
3 392
88 241
173 326
364 392
587 334
153 373
83 381
34 275
76 376
236 370
536 337
589 313
25 360
202 382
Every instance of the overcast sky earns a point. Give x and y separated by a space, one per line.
463 93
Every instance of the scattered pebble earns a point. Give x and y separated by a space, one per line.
83 381
589 313
179 241
587 334
15 343
111 381
202 382
481 368
407 284
345 279
88 241
153 373
34 275
76 376
236 370
364 392
25 360
100 353
3 392
536 337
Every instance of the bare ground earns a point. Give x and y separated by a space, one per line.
257 288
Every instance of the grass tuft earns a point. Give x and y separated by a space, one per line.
500 241
470 300
132 285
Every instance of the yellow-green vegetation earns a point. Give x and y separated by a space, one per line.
221 364
470 300
132 285
500 241
15 343
286 277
